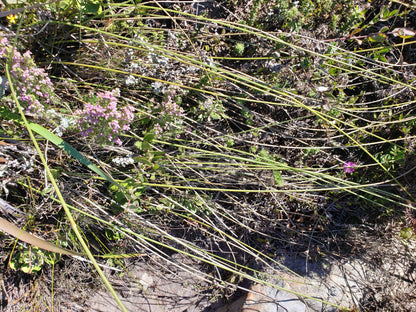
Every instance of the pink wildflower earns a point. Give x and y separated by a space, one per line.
31 83
349 167
103 118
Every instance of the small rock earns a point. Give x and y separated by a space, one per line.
268 299
144 279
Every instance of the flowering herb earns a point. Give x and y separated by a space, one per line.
169 114
349 167
34 89
102 119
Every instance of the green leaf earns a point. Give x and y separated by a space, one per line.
92 7
384 29
384 14
277 178
29 260
149 137
379 37
113 235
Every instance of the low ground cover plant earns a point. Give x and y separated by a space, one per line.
34 88
230 136
102 119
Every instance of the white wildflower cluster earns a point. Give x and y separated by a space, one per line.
155 58
158 87
172 40
132 63
65 123
131 80
155 64
123 161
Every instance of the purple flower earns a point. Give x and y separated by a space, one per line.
103 118
349 167
169 113
32 84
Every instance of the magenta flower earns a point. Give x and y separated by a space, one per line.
349 167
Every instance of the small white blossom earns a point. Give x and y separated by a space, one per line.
157 59
123 161
65 123
134 65
322 89
158 87
131 80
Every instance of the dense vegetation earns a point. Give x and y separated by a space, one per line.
231 133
